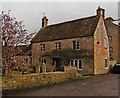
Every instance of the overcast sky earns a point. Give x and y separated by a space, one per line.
32 12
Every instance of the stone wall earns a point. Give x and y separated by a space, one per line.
113 31
66 44
88 66
35 54
34 80
101 49
70 69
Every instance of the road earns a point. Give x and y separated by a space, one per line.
105 85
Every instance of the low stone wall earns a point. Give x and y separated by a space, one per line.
34 80
70 69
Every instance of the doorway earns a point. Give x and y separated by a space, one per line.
57 62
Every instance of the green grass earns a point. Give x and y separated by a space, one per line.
12 73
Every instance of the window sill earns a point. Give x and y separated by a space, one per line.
79 69
106 67
76 49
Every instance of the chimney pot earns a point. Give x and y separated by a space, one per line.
44 21
101 11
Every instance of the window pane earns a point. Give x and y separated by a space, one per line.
55 46
78 45
39 60
71 62
106 62
42 47
76 63
80 64
74 46
53 62
45 61
42 61
110 38
105 43
111 50
59 45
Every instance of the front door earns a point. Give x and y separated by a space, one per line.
57 62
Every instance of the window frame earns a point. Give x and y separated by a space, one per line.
76 45
57 45
110 38
71 62
111 49
42 47
106 61
76 63
43 61
105 43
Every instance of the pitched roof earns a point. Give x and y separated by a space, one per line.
70 29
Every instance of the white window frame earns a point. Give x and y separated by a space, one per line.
42 47
105 43
42 61
73 60
106 66
111 49
77 45
110 38
57 45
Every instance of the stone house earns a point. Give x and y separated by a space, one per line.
114 39
81 43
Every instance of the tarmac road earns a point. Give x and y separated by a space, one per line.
105 85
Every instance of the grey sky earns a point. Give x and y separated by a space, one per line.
32 12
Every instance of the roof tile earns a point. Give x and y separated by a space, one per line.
70 29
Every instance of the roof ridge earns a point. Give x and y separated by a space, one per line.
71 21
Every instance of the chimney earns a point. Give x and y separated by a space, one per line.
44 21
101 12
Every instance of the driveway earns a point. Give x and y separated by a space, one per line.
105 85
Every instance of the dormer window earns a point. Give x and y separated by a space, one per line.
76 45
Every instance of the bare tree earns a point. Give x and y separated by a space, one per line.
12 34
